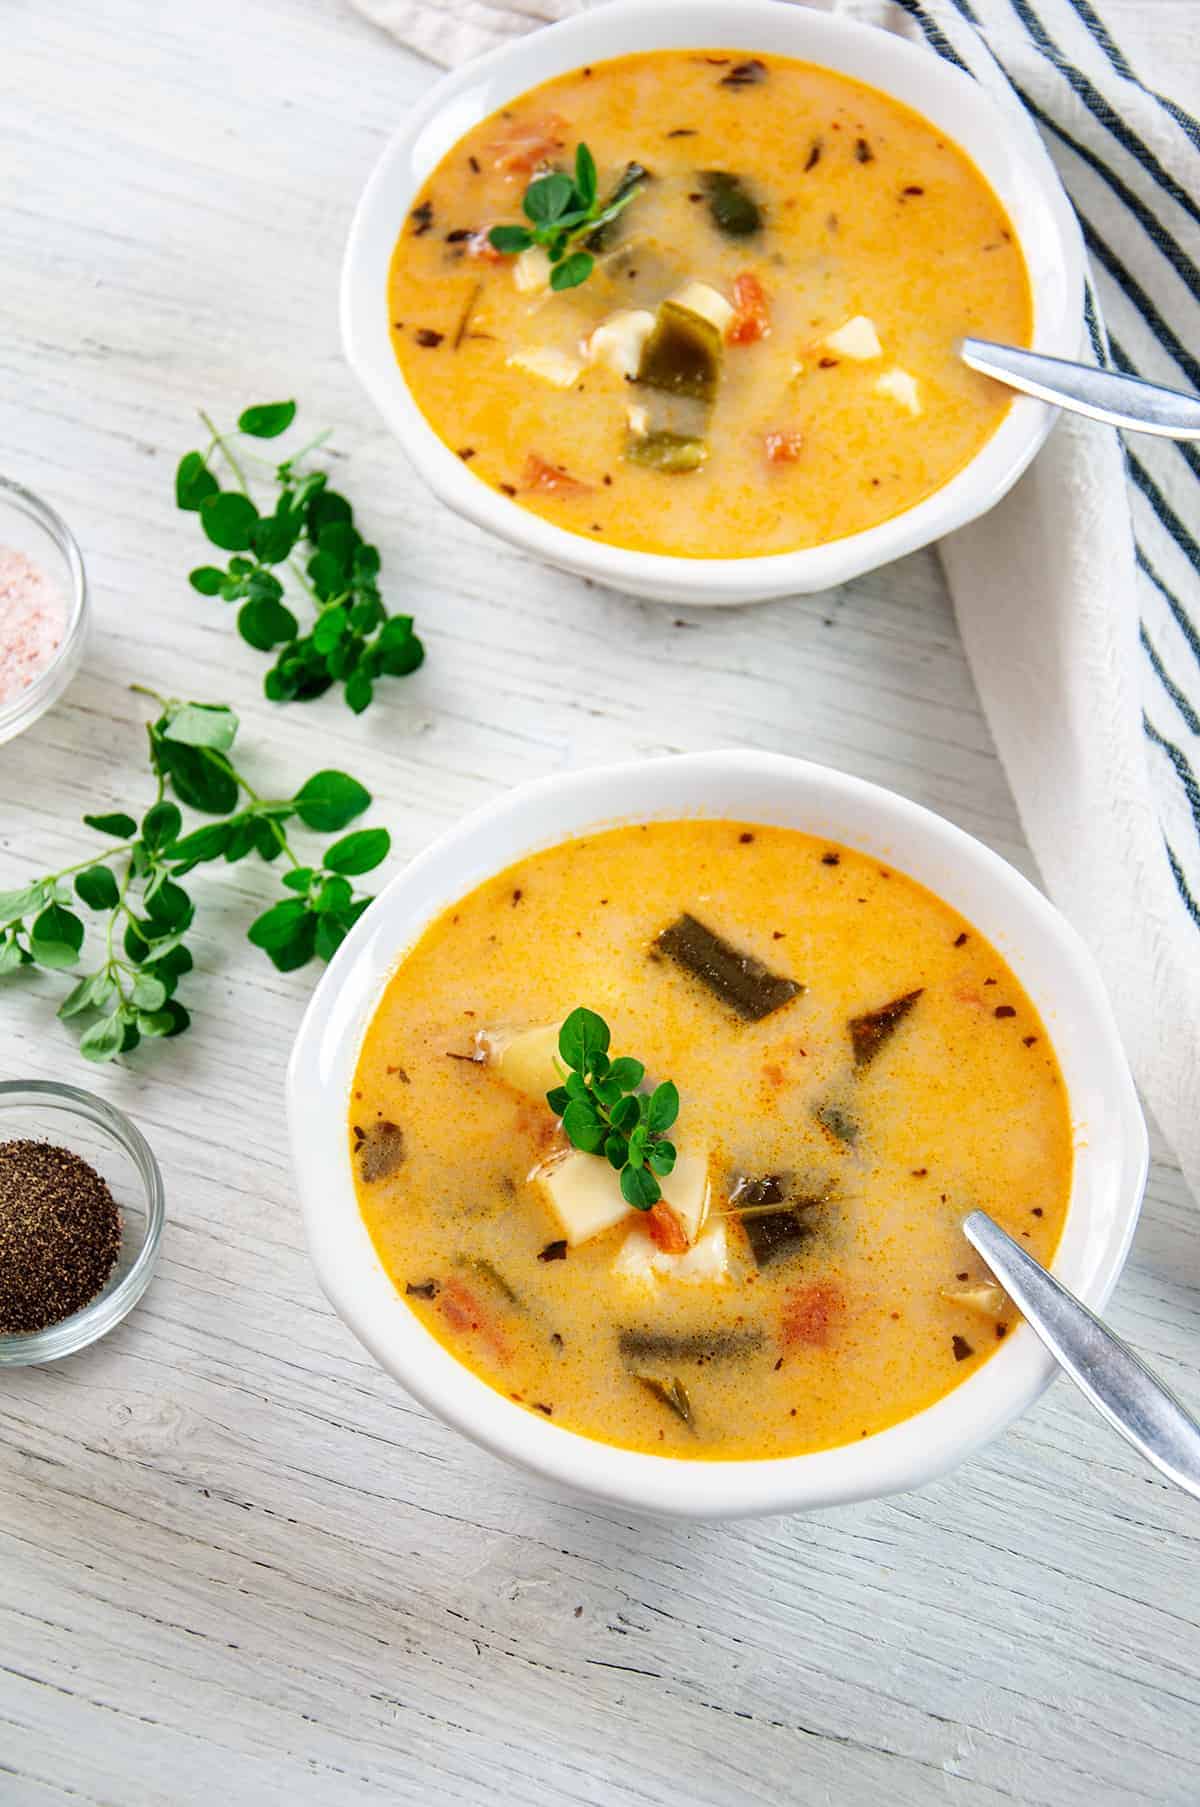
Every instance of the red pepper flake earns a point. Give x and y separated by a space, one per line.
550 479
460 235
919 1173
1028 1040
863 152
814 156
467 453
812 1312
666 1231
421 219
827 363
1037 1211
425 335
506 489
783 445
474 162
962 1349
777 934
554 1251
537 1404
962 1276
751 318
912 189
745 839
1001 1332
682 131
961 939
1004 1010
831 859
517 895
397 1072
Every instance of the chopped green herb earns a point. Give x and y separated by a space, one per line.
734 210
567 217
604 1113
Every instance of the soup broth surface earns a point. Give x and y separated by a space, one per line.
867 213
874 1309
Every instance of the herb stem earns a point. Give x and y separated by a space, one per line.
219 439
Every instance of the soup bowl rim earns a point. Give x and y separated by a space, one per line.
1008 152
1048 957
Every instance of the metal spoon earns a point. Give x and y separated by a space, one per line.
1119 401
1120 1387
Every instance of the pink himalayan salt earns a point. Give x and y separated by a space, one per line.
33 618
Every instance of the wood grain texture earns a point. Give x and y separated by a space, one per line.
235 1561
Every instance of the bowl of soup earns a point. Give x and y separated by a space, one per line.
835 1024
671 296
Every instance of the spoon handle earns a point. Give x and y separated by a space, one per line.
1121 1388
1119 401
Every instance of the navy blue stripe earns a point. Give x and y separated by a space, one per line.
1178 259
1178 612
1096 333
935 34
1183 770
1100 109
1189 124
1165 335
1096 28
1167 681
1162 508
1189 902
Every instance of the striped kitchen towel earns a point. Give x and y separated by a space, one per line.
1078 598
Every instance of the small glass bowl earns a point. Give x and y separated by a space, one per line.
43 1111
31 526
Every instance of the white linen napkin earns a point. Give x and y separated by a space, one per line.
1078 598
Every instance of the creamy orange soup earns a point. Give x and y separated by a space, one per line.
831 248
856 1069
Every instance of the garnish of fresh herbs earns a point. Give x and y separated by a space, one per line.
306 543
563 214
143 914
604 1113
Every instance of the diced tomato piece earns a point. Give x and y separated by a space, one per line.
463 1310
550 479
666 1231
811 1313
751 316
480 245
783 445
526 143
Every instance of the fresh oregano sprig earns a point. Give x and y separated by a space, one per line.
141 911
564 213
604 1112
307 541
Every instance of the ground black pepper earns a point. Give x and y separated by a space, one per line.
60 1234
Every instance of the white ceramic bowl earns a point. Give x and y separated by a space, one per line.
1044 952
1015 164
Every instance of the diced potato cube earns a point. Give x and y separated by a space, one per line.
558 368
618 340
686 1190
984 1296
531 270
707 1262
856 339
584 1193
526 1059
701 298
902 388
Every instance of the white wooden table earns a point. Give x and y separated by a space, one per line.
235 1562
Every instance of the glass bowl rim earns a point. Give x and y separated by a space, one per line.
25 708
102 1314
